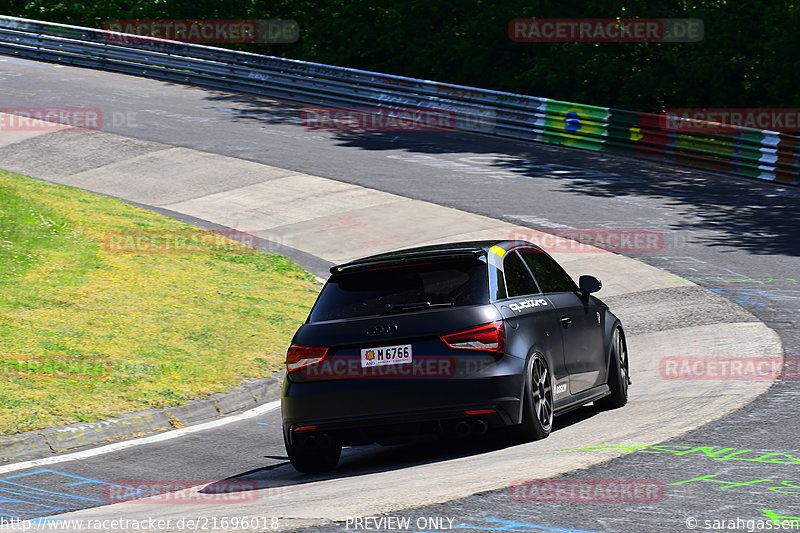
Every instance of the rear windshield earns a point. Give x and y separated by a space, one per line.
367 292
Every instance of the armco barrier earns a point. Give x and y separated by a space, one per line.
746 152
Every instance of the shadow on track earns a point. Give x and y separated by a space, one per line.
360 460
748 214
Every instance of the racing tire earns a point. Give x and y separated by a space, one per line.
537 402
618 373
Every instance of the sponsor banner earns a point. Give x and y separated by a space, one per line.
575 125
199 31
730 368
472 118
181 492
168 242
50 118
721 120
622 241
631 133
586 491
377 118
604 30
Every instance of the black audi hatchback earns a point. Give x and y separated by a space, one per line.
453 339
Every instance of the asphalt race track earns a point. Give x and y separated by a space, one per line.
734 237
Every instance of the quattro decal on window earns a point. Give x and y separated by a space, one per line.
526 304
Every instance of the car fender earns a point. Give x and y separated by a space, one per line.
534 349
611 322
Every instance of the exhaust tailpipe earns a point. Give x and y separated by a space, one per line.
463 428
479 427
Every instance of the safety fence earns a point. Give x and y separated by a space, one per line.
738 151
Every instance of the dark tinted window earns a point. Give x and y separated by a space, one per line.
549 274
367 292
518 280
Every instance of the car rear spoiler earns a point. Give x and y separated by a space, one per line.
409 259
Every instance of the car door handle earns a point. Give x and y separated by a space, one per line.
566 321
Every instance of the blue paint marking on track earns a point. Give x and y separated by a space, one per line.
744 297
510 525
262 423
26 500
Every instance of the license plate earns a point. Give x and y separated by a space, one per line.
386 355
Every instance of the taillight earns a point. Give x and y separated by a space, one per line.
480 412
299 356
491 337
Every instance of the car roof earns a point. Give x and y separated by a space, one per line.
434 251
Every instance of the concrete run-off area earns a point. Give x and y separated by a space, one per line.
665 316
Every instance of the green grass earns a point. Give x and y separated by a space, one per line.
87 332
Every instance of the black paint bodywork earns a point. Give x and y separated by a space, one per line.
572 330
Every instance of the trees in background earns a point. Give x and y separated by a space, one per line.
749 57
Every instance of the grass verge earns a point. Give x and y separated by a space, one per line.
90 328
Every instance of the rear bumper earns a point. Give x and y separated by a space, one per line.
404 427
360 411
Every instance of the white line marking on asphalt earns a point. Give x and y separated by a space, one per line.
174 434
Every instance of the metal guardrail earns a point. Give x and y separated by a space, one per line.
747 152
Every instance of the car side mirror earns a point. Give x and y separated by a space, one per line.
589 284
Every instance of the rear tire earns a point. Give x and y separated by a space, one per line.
311 455
537 403
617 374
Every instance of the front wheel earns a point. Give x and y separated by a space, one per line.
618 377
537 404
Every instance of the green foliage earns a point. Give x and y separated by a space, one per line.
748 58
